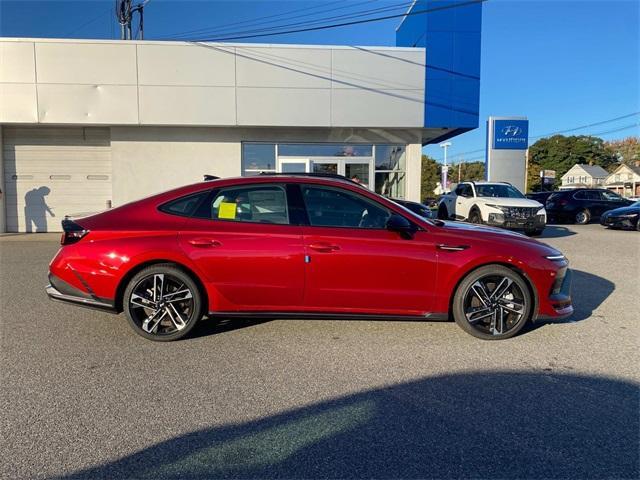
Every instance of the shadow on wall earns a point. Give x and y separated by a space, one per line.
481 425
36 209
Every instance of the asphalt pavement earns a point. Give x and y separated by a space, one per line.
84 397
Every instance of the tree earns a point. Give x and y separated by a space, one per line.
430 176
626 150
560 153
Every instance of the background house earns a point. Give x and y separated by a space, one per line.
625 180
584 176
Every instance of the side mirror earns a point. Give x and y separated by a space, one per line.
397 223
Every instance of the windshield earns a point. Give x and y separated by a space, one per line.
498 190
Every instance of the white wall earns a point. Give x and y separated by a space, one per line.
148 160
92 82
3 208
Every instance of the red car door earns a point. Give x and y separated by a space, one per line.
249 253
355 265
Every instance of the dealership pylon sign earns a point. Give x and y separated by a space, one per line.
507 143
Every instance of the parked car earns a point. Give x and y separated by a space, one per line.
415 207
624 217
582 205
300 246
493 203
540 197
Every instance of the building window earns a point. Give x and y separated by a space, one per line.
323 150
390 177
378 167
258 157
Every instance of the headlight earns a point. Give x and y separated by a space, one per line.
556 258
629 215
497 207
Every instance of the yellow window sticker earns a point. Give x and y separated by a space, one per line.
227 210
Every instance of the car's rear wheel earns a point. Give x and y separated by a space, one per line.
583 217
162 303
492 303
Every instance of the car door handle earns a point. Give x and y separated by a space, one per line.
204 242
451 248
324 247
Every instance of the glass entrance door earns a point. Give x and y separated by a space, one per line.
358 171
325 166
294 165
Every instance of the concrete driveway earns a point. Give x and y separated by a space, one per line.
84 397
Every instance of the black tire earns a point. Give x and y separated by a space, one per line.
177 304
534 232
517 298
475 217
638 225
582 217
443 213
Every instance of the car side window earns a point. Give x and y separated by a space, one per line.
256 204
581 195
331 207
184 206
611 197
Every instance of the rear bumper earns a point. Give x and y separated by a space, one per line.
60 290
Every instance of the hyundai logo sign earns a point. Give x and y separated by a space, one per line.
511 134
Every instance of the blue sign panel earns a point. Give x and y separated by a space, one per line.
511 134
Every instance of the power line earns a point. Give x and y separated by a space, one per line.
260 20
346 24
88 22
615 130
595 124
314 21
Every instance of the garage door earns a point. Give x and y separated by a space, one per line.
53 172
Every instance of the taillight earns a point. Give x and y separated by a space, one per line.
73 232
563 202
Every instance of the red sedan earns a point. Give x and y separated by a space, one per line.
301 246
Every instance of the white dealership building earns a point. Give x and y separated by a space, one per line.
90 124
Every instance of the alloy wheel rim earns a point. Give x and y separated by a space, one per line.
161 304
494 305
581 217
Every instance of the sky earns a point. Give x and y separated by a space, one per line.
563 64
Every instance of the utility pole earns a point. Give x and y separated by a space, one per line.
445 167
460 170
124 12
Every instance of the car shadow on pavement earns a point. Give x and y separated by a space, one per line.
588 292
555 231
215 325
480 425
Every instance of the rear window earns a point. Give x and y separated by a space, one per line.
184 206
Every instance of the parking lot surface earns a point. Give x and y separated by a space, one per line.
84 397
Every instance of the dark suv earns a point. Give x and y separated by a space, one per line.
582 205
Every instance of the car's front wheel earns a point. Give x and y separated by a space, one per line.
492 303
162 303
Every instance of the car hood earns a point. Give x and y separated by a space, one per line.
494 234
512 202
623 211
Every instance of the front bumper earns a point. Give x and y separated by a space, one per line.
560 304
619 222
60 290
536 222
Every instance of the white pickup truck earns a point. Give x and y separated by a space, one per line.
493 203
